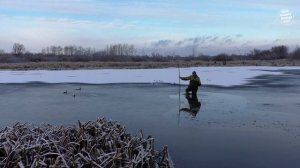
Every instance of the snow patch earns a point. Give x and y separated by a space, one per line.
222 76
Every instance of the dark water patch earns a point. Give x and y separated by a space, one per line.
288 79
292 72
233 87
268 104
285 71
228 121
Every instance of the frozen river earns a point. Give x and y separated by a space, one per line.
256 124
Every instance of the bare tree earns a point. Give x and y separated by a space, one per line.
221 57
56 50
279 52
18 49
296 53
69 50
120 50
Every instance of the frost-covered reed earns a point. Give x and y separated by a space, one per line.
102 143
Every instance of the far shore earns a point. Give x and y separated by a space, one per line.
140 65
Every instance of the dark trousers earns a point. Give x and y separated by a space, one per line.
193 89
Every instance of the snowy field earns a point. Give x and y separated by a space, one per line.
222 76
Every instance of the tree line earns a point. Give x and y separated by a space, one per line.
127 52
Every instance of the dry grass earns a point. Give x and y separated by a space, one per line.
142 64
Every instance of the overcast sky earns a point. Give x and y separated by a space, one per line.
167 26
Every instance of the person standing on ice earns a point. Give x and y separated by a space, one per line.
194 83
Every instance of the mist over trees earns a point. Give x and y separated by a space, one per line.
127 52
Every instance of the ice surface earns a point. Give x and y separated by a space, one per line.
222 76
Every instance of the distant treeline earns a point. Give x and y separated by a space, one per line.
126 52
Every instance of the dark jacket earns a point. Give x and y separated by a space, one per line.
194 81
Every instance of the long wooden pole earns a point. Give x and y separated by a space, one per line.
179 95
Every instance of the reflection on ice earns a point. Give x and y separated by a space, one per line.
194 105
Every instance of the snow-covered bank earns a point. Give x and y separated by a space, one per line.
223 76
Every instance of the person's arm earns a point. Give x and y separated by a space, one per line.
185 109
185 78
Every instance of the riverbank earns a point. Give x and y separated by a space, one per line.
140 64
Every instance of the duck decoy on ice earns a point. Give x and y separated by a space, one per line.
74 95
65 92
78 88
